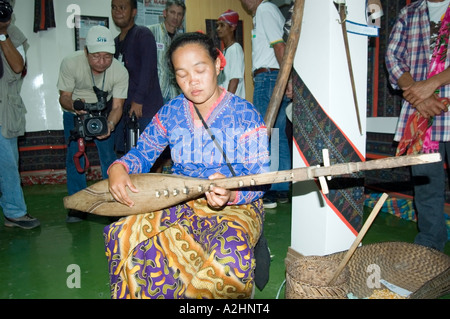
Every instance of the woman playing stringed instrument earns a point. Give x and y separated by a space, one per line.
201 248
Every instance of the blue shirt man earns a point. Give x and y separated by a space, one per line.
136 49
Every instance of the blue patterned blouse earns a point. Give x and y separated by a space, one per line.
234 122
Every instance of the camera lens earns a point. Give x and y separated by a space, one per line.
94 127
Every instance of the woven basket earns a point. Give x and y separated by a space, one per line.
307 277
423 271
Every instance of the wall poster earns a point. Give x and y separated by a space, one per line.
83 24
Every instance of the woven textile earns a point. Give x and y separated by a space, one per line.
313 131
400 207
44 15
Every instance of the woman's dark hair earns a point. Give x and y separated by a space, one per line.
192 38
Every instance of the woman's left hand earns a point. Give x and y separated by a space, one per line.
219 196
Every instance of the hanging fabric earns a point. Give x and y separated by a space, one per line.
44 15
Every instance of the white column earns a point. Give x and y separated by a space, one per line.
321 62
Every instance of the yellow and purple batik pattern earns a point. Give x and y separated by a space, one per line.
186 251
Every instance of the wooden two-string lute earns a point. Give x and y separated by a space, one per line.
159 191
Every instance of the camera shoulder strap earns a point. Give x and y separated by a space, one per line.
81 153
103 83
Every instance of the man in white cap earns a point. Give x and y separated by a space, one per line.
94 77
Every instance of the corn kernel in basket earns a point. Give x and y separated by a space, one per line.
385 294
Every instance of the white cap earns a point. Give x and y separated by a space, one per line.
100 39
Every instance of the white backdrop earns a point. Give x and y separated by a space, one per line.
47 48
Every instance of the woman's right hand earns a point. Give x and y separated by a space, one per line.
118 182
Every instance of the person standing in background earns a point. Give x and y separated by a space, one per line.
93 76
12 121
268 49
232 76
136 50
417 63
164 32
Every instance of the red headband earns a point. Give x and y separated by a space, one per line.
231 17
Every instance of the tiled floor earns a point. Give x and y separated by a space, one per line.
40 263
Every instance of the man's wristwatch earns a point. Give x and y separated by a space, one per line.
3 37
112 123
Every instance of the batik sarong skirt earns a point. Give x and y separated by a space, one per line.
186 251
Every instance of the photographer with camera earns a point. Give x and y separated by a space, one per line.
93 87
12 121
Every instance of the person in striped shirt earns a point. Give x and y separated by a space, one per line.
417 62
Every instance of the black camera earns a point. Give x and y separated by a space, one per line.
93 123
6 11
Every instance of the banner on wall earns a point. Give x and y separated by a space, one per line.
83 24
314 130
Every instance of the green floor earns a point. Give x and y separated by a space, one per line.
43 263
